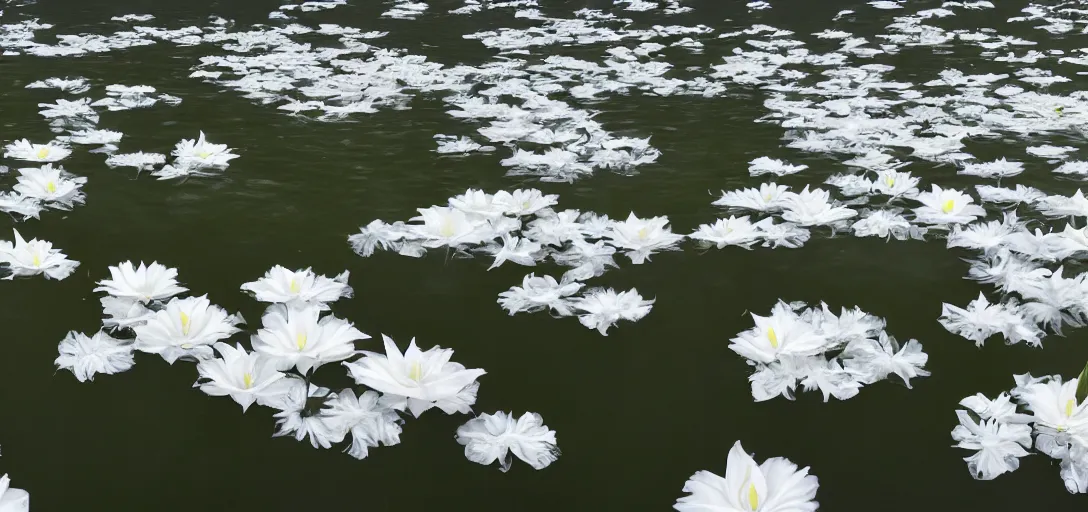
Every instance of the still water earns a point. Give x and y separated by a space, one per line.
636 413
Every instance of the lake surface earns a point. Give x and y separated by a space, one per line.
636 413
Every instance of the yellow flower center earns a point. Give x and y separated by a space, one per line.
643 233
294 285
772 337
753 497
447 229
525 205
300 340
37 261
204 154
51 187
416 371
949 205
1069 406
890 180
247 380
767 197
42 153
185 323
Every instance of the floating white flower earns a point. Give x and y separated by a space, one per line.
297 336
896 184
1062 206
518 250
12 499
186 328
887 224
1017 195
296 418
369 421
770 197
538 294
491 437
738 231
643 237
24 150
16 203
1048 151
1073 168
555 228
765 165
774 486
477 203
244 376
140 160
1001 409
947 206
415 380
784 332
86 355
785 234
523 202
980 320
873 360
95 137
55 187
299 287
999 446
35 257
79 109
142 283
813 207
1056 409
999 168
443 226
601 309
201 154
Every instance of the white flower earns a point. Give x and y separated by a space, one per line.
551 228
186 328
50 185
477 203
947 206
1001 409
1056 408
415 380
601 309
1048 151
202 154
980 320
140 160
491 437
781 333
999 445
769 198
78 109
1061 206
774 486
765 165
370 422
299 287
873 360
896 184
518 250
124 313
738 231
299 337
443 226
812 208
143 283
295 418
35 257
85 356
24 150
12 499
244 376
523 202
887 224
999 168
539 293
16 203
95 137
642 237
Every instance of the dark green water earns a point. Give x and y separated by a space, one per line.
636 413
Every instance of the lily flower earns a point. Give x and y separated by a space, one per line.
369 421
491 437
23 150
296 420
144 283
52 186
538 294
601 309
443 226
896 184
999 445
186 328
478 204
782 333
299 287
738 231
518 250
86 355
643 237
813 208
415 380
244 376
774 486
765 165
12 499
947 206
298 337
769 198
522 202
35 257
202 154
